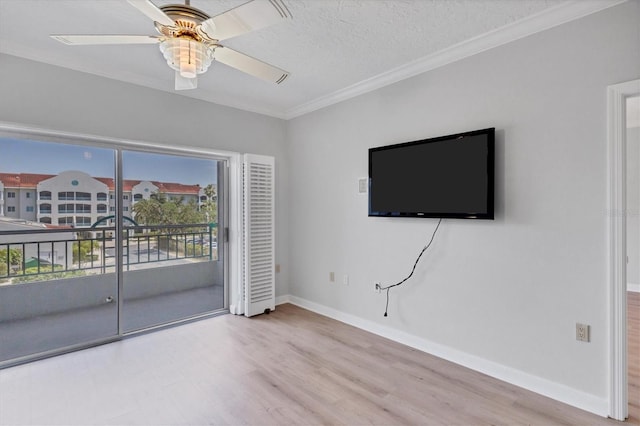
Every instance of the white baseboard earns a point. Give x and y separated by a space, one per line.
633 287
510 375
282 299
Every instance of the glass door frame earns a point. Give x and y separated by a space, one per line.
226 159
222 187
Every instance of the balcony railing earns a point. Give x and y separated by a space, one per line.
27 255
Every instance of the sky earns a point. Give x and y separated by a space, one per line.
27 156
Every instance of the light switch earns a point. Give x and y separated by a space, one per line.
362 185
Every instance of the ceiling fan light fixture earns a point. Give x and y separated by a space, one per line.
189 38
188 57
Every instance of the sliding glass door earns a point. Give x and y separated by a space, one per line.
57 287
172 256
98 241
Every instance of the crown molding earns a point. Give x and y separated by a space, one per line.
546 19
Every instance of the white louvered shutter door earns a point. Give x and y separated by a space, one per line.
259 237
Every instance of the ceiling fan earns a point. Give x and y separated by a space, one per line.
190 40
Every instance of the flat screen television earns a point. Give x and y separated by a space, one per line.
445 177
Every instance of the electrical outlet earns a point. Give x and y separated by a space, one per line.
332 277
377 287
582 332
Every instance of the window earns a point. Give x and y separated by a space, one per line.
126 209
29 195
125 197
29 208
84 221
137 197
65 221
45 208
83 196
45 220
65 208
112 209
83 208
102 208
11 209
45 195
11 195
65 196
111 196
101 196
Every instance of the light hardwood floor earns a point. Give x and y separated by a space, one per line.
289 367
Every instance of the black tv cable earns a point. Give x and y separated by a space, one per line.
389 287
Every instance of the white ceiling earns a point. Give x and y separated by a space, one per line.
334 49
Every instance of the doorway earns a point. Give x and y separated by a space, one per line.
632 140
619 205
173 264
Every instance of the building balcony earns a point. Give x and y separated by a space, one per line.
170 272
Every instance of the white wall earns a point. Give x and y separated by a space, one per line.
508 291
46 96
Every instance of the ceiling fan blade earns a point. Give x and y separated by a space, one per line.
105 39
152 11
247 17
250 65
185 83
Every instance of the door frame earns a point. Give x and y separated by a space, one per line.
617 95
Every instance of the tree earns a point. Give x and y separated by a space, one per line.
210 206
15 256
83 250
161 210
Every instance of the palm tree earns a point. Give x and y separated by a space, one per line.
210 206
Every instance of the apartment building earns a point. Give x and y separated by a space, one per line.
77 199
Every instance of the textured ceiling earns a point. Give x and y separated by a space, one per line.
328 47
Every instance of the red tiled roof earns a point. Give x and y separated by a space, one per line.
50 226
22 180
30 180
107 181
